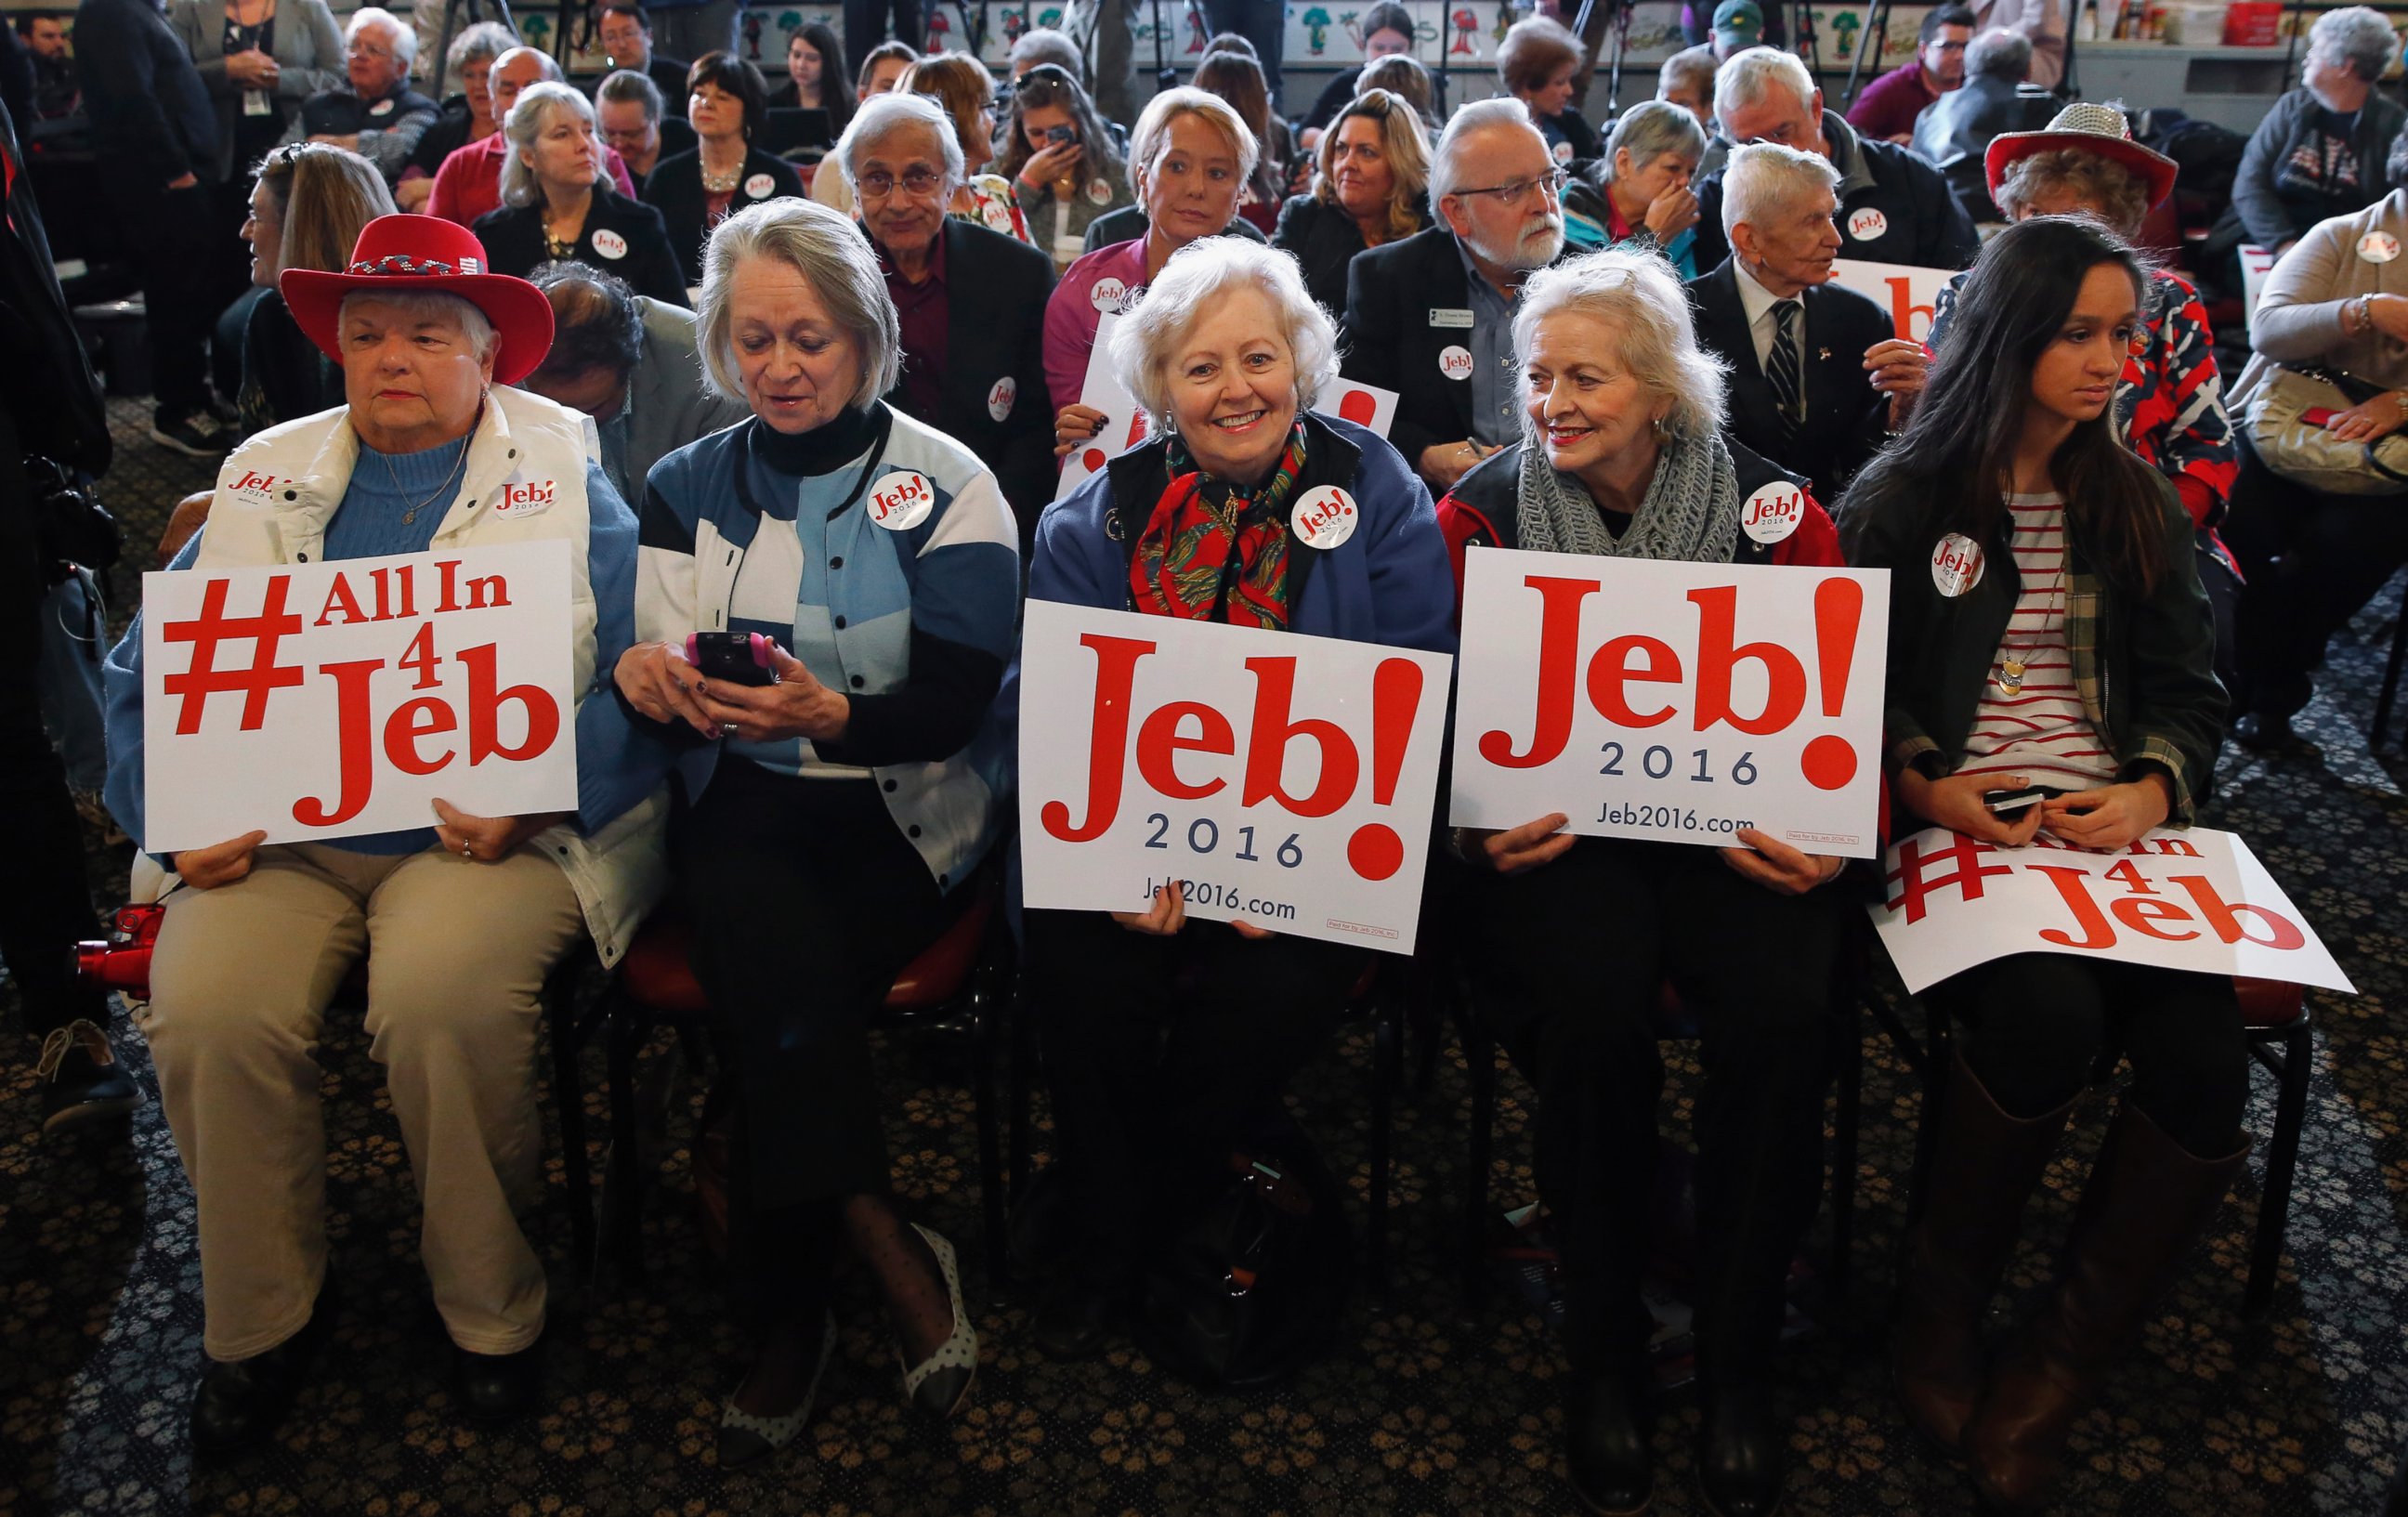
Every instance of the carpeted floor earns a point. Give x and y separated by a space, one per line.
1416 1409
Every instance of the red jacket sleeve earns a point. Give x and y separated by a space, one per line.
1461 525
1816 544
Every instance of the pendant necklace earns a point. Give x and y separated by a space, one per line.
444 489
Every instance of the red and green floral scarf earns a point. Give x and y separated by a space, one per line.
1215 551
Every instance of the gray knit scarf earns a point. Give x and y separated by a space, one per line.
1691 512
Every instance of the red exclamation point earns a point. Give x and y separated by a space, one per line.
1829 762
1375 851
1358 407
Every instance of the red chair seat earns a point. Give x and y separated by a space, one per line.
2266 1003
936 976
657 972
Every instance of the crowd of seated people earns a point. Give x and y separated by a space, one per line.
1602 340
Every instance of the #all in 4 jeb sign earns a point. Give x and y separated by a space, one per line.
320 701
1287 779
1678 702
2181 901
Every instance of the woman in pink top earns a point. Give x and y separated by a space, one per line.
1188 158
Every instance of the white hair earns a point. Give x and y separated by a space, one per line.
1648 131
880 115
1153 134
1199 275
529 114
405 41
1497 110
1742 81
834 259
2358 36
1762 179
428 305
1639 295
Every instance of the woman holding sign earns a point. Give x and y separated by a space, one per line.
460 920
1576 938
1167 1040
2049 669
834 798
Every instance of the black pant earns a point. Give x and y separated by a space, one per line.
865 26
1571 961
2312 560
2035 1025
45 898
1262 23
176 251
1160 1051
806 900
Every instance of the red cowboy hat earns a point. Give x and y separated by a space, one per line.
2084 126
426 252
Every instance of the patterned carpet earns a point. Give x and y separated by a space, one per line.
1416 1408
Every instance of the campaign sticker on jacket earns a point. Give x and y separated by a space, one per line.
1671 701
2378 246
610 244
999 399
2197 899
1098 193
759 186
1107 294
1866 223
1957 565
1774 512
997 216
1287 782
1563 152
1325 517
1454 362
320 701
902 500
522 498
382 107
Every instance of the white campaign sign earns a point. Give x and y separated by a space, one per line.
1904 290
1288 781
2256 264
1679 702
1125 425
319 701
2181 901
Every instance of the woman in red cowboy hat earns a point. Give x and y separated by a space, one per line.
2171 398
464 916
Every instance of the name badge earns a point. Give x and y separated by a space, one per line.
255 103
1450 316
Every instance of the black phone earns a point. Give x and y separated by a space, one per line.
1061 134
2013 802
740 658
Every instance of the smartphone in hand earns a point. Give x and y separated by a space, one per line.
2013 803
740 658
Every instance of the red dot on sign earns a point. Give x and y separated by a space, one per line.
1093 458
1829 763
1375 851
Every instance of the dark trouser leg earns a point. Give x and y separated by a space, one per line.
1765 1011
804 900
177 253
1262 23
1568 966
2034 1024
2224 592
2312 560
2190 1056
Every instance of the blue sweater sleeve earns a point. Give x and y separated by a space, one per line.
619 761
120 679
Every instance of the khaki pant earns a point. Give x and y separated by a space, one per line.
457 953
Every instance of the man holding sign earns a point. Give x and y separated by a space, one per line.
1214 859
347 749
1621 473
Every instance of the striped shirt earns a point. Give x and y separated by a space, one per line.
2030 719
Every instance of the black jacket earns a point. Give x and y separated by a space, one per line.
1920 222
284 376
668 77
51 400
1954 130
1130 222
674 188
1847 420
1569 136
1323 240
149 109
514 239
996 291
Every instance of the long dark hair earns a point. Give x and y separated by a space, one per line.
835 89
1949 471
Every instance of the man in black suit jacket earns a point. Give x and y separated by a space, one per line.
1418 323
1853 379
973 346
1892 206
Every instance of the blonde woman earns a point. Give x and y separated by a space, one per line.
1371 186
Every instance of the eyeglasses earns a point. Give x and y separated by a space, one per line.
917 179
369 50
1550 184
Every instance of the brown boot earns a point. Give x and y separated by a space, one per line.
2146 1203
1983 1166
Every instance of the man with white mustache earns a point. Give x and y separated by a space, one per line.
1431 316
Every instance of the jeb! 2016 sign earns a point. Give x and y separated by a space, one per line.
1286 780
320 701
1679 702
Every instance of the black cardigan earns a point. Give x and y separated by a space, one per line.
675 190
514 239
1323 240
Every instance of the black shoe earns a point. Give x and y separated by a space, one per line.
197 436
1076 1320
81 1079
240 1403
1739 1460
227 415
495 1388
1606 1453
2264 732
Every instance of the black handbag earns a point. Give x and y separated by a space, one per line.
70 524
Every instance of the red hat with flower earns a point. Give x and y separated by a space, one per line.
426 252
